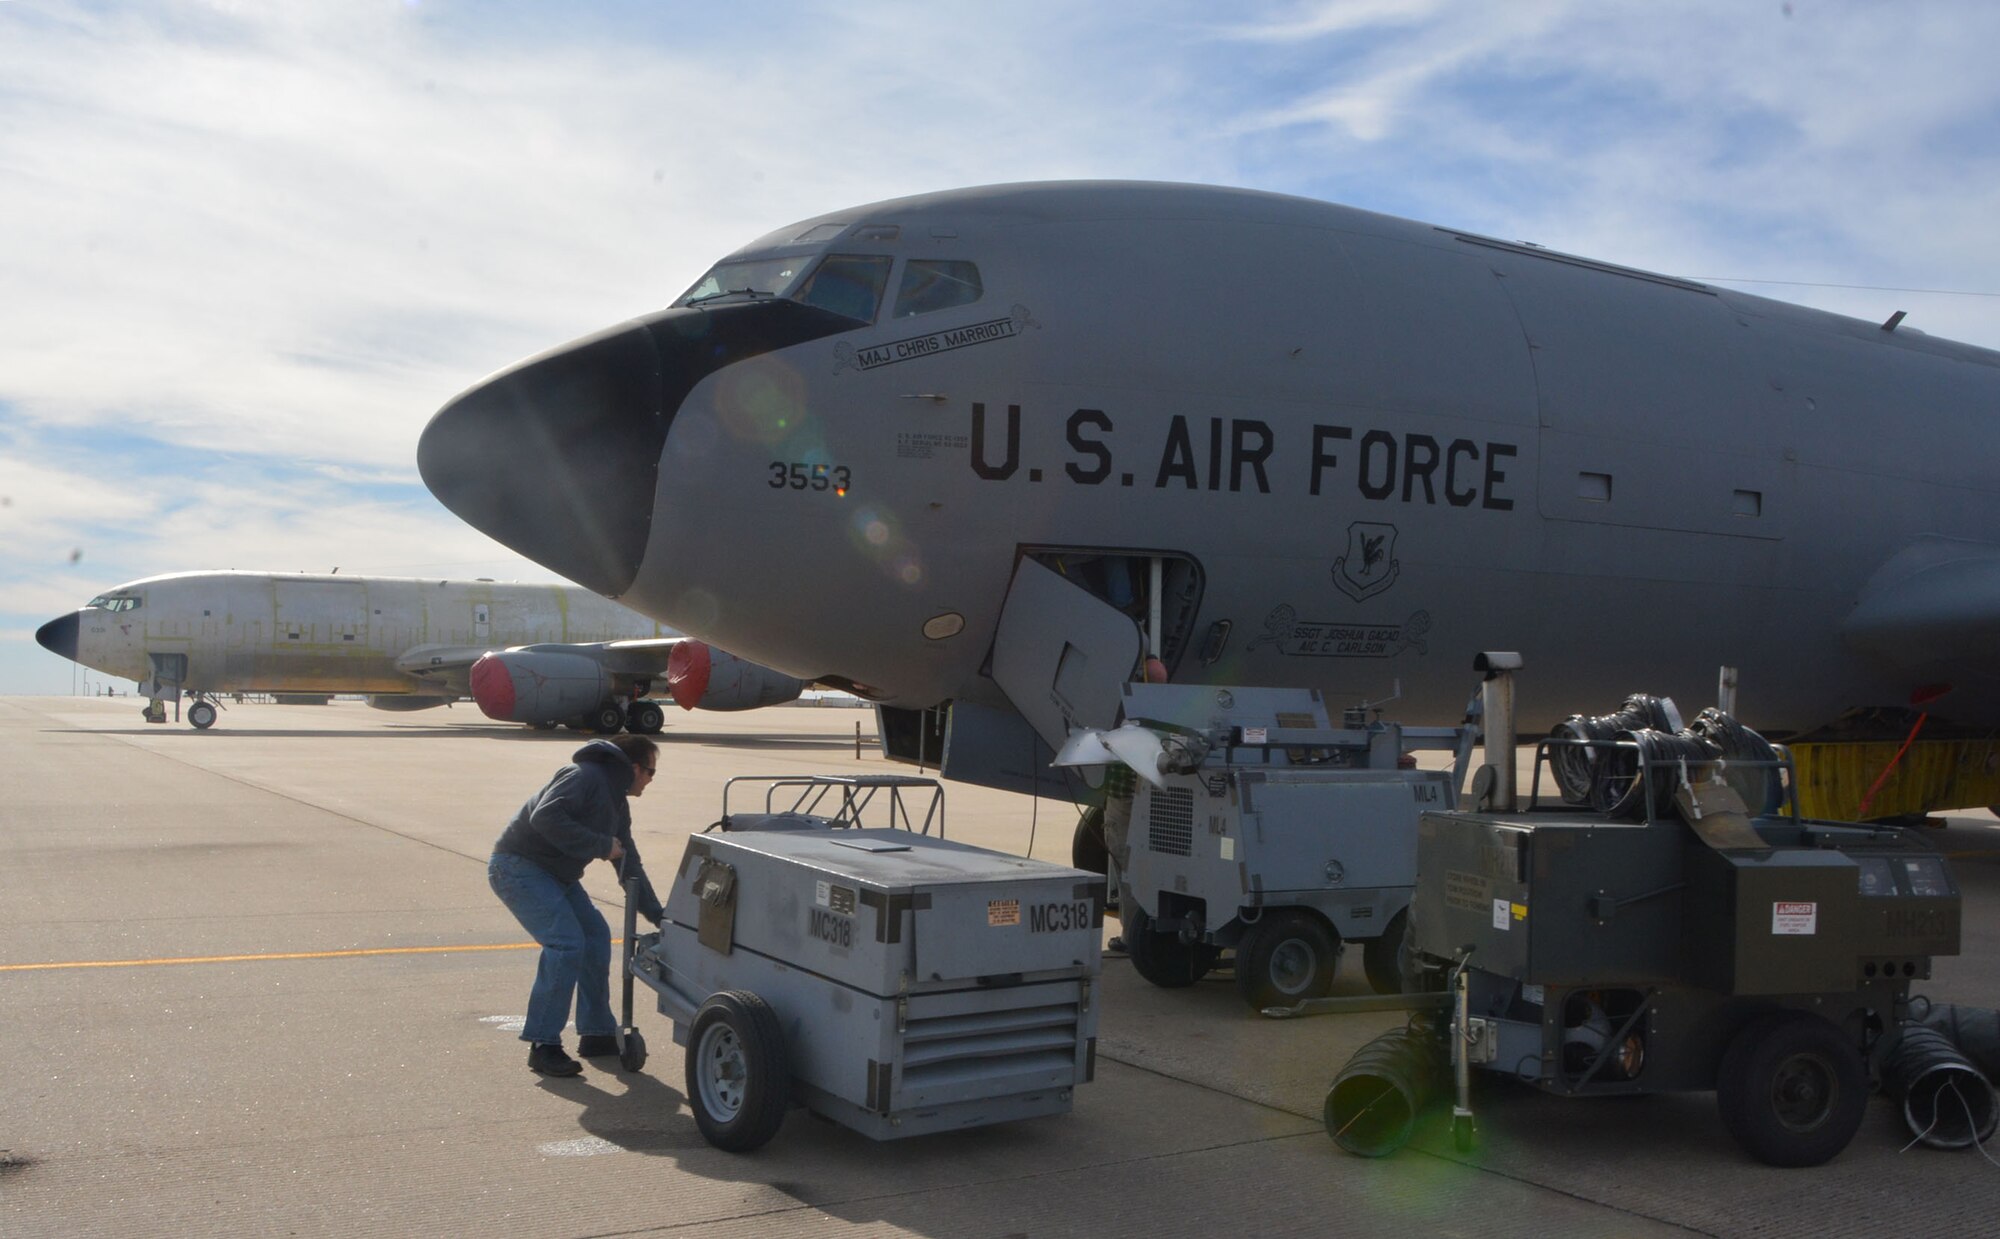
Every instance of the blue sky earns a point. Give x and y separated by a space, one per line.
250 247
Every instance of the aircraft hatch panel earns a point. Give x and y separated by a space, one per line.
1061 655
170 673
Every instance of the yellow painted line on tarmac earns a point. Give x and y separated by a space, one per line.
250 959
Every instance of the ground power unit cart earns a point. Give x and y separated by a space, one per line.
1260 826
883 977
1655 935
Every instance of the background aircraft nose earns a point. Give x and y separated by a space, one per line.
558 456
58 636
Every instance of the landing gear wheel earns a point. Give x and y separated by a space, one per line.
1382 958
609 720
1286 958
1163 958
632 1051
201 716
645 718
1086 848
738 1079
1792 1089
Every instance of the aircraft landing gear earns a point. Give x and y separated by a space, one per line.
645 718
201 715
609 719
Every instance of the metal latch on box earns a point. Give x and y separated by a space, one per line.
715 888
1482 1040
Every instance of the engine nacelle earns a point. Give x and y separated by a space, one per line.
701 677
529 687
403 703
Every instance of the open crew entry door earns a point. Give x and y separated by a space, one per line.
1061 654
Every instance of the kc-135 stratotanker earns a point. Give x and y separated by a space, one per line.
990 447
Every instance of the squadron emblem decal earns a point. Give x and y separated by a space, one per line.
1341 639
846 355
1370 566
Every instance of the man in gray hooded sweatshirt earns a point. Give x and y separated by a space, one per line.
537 870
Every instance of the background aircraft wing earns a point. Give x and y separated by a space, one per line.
561 681
449 665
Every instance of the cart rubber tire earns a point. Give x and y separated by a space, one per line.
1286 958
632 1052
1382 958
739 1081
1163 958
1792 1089
1461 1133
201 716
1086 848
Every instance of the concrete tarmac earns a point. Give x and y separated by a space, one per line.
252 981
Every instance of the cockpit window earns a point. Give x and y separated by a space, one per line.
108 602
847 284
936 284
764 277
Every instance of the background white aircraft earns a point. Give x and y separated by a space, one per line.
997 434
537 654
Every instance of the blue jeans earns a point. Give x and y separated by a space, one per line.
576 948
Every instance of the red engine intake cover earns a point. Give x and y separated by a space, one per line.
493 688
687 673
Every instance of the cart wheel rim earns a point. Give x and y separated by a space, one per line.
721 1072
1294 963
1804 1091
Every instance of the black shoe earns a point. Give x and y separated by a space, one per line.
550 1060
1116 944
597 1046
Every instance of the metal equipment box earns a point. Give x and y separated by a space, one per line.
919 985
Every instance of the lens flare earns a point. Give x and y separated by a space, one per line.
763 402
876 534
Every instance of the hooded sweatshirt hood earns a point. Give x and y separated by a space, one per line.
609 755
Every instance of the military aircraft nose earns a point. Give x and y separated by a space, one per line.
557 456
58 636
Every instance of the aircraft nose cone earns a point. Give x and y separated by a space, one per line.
58 636
558 456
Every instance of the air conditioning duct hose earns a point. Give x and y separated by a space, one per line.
1373 1105
1946 1102
1974 1030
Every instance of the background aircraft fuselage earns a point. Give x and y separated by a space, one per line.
263 632
1368 448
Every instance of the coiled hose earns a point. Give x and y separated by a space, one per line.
1611 780
1575 768
1373 1105
1621 773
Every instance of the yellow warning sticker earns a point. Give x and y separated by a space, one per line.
1003 912
1520 911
